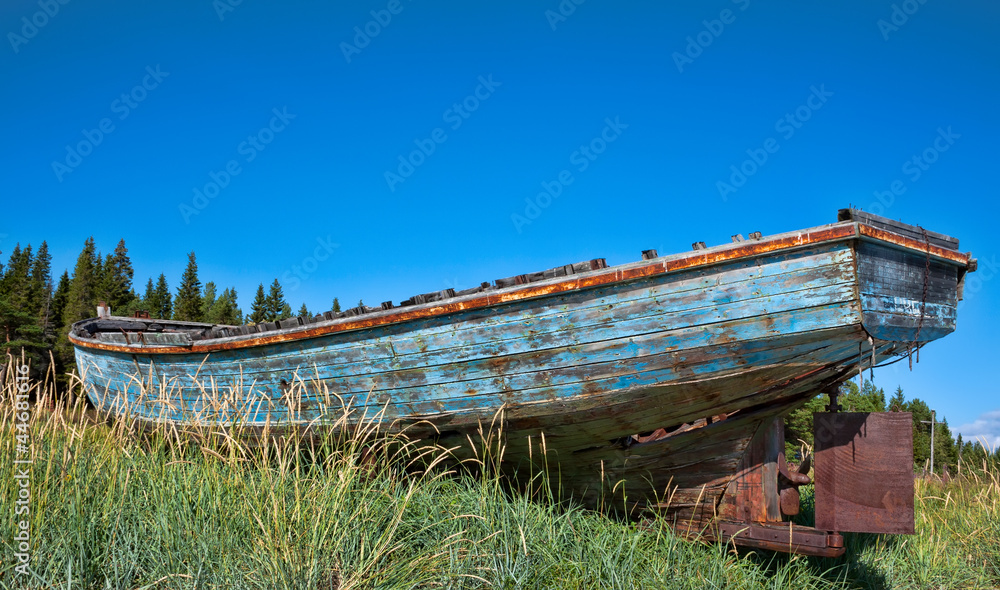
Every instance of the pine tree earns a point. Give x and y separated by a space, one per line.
18 322
898 400
117 278
40 292
207 301
80 303
147 297
866 399
259 307
16 281
187 305
62 350
232 314
100 286
59 299
304 311
161 304
40 298
336 305
225 311
959 447
82 294
19 330
945 452
276 303
286 312
921 432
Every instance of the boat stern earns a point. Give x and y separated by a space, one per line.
909 280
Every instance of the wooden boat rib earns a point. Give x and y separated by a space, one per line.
648 380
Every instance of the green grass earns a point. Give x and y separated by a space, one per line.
112 509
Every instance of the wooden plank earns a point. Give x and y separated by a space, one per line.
454 384
289 323
591 320
168 338
752 496
789 538
631 401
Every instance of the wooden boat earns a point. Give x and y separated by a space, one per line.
659 383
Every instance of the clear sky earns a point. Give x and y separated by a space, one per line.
384 148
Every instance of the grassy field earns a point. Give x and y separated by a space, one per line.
111 509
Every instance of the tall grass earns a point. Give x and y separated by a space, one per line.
356 508
957 544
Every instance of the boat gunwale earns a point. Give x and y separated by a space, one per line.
663 265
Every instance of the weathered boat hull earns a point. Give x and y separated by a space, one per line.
708 346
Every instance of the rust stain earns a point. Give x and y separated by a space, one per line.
694 260
911 244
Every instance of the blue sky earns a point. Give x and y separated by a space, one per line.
384 148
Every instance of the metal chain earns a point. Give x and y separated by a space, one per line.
923 299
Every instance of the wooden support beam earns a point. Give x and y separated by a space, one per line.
753 495
786 537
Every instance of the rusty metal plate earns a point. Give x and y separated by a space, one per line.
864 472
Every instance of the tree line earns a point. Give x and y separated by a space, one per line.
36 312
947 450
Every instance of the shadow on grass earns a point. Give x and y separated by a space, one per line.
850 570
